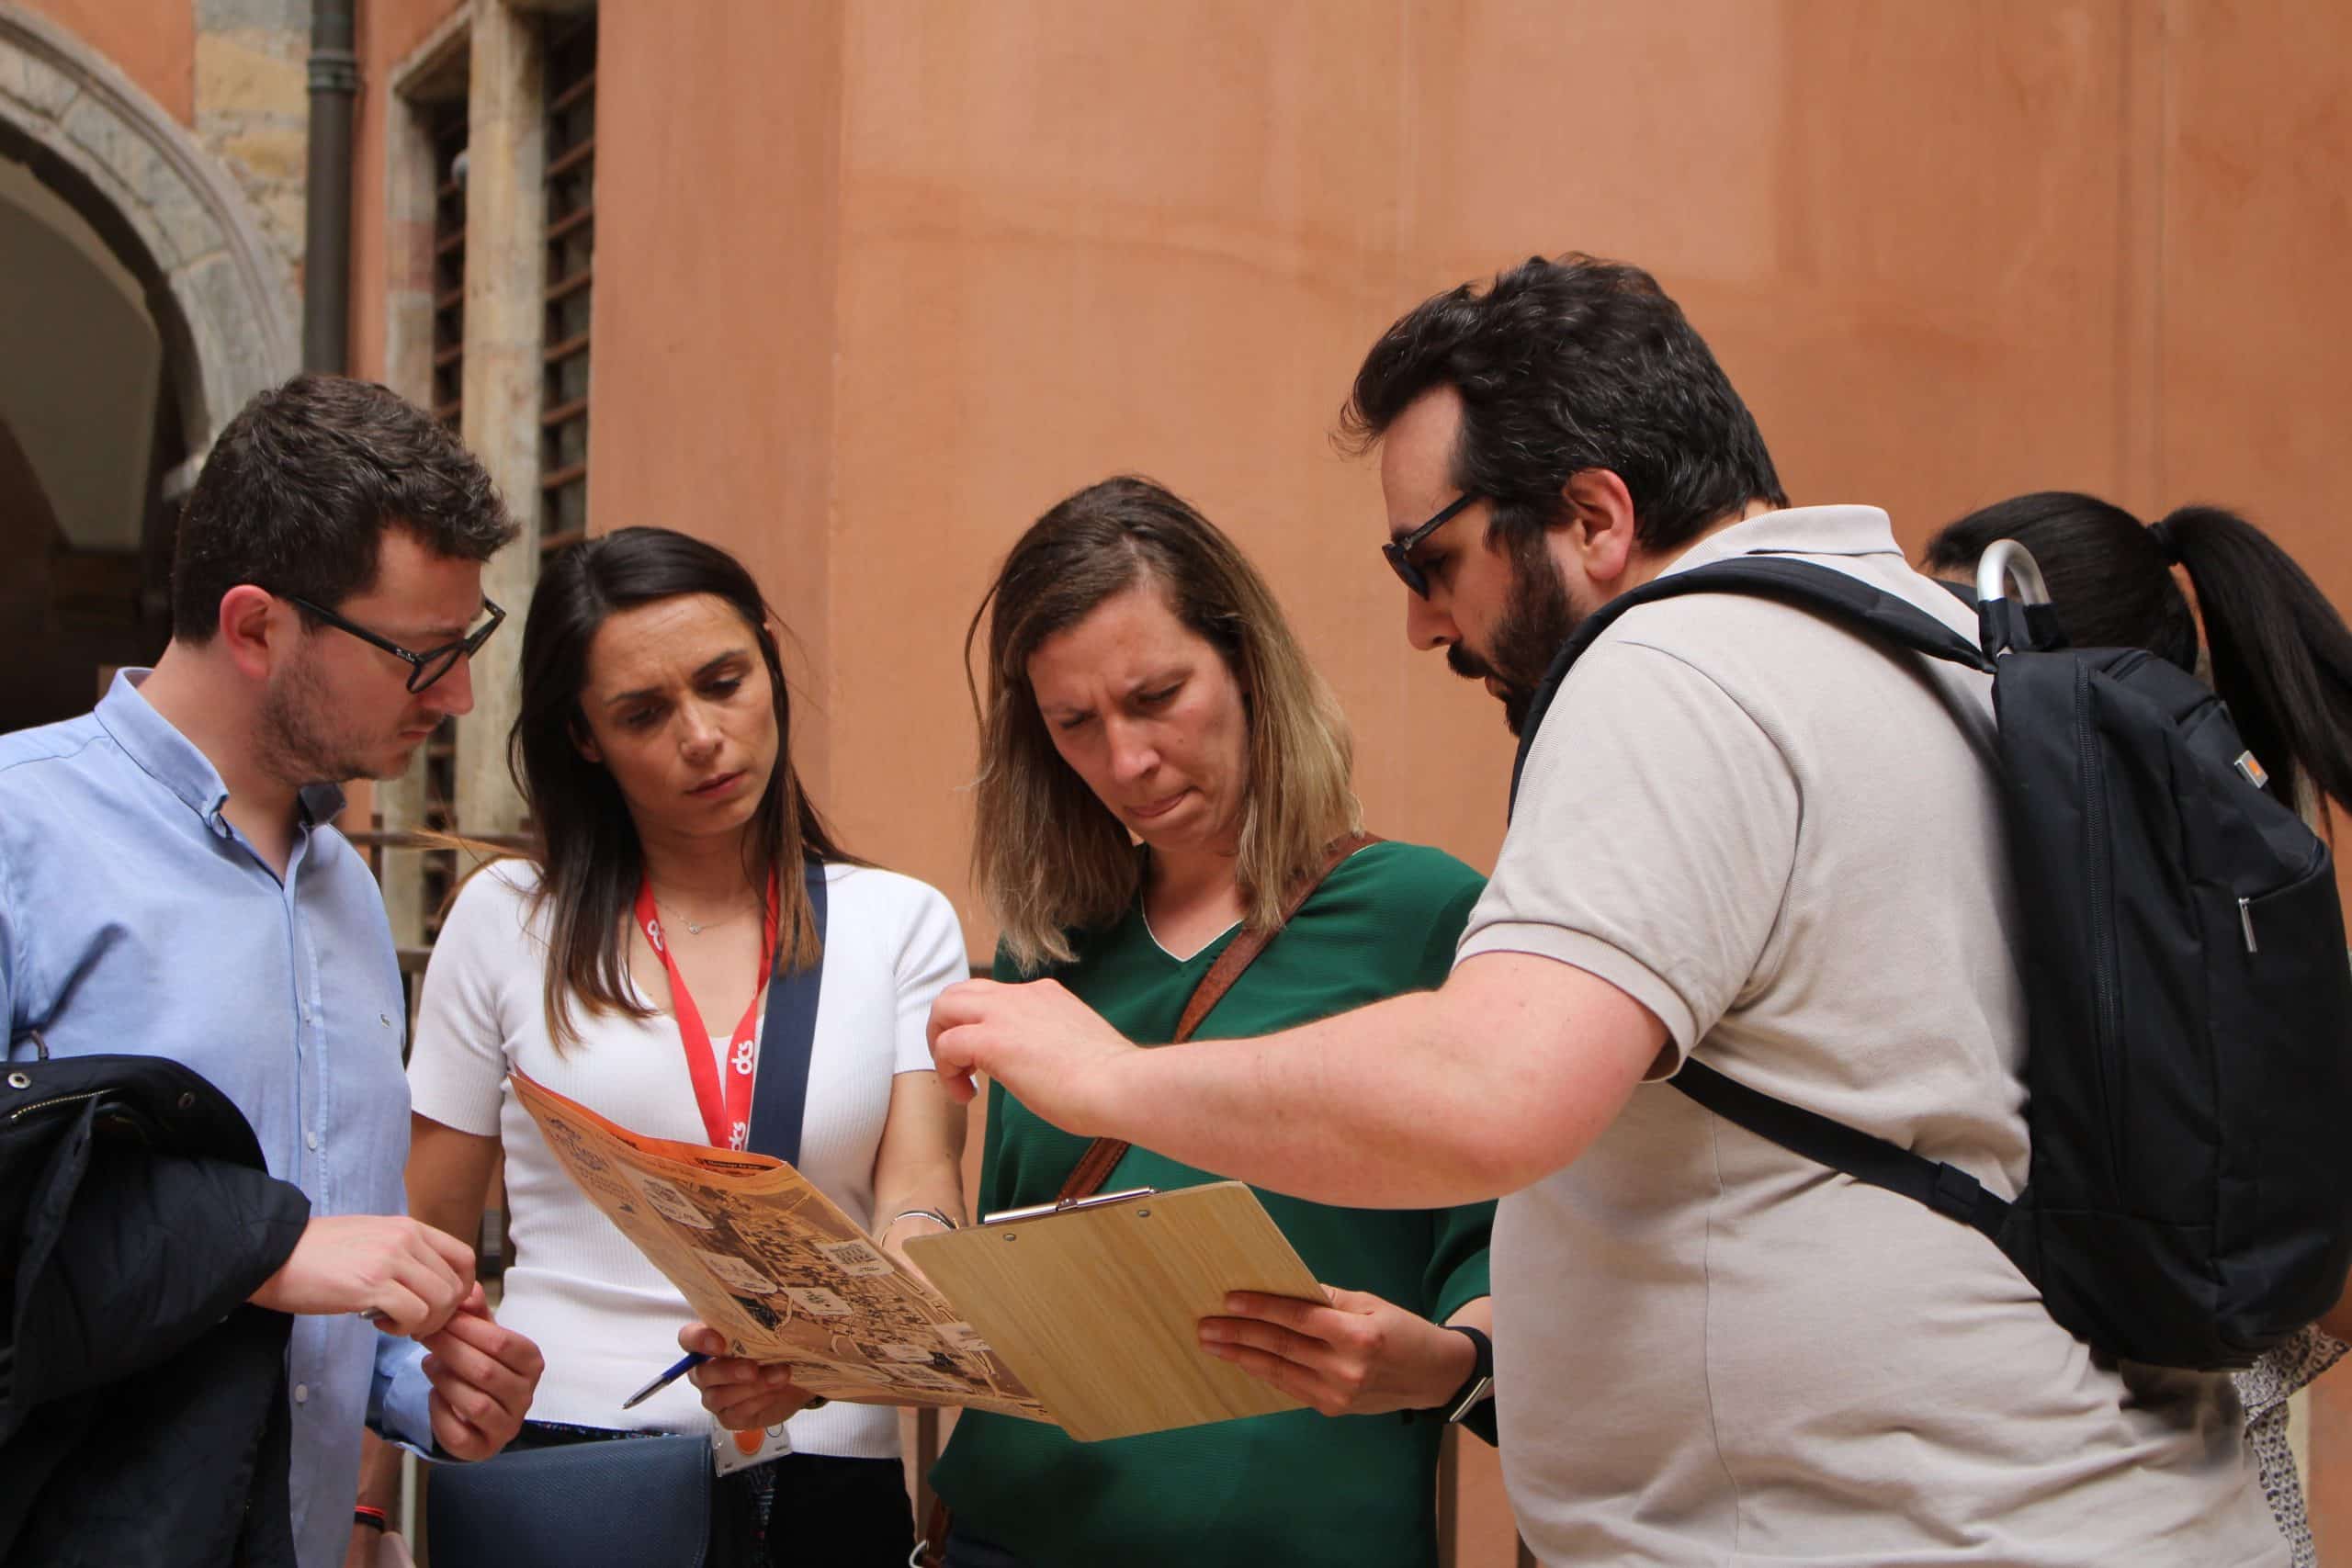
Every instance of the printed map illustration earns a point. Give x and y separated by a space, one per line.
769 1261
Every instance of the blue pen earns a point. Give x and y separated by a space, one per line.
677 1369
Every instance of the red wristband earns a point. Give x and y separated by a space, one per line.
361 1514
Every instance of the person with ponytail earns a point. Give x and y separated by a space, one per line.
671 875
2273 647
2277 651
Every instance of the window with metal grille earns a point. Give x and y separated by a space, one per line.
448 131
572 252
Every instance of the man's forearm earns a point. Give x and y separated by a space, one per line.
1421 1101
1369 1109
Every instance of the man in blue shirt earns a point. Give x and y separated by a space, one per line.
170 885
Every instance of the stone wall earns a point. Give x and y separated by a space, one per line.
252 102
179 212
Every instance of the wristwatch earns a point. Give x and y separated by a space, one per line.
1481 1382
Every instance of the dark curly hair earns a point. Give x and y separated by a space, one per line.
1565 366
299 488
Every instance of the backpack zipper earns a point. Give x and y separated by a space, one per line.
2102 910
2245 924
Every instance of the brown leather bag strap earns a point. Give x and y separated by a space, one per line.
1095 1165
931 1551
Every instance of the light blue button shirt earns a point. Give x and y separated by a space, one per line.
133 917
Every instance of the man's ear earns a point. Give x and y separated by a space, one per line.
254 629
1598 511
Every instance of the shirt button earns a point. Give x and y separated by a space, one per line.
310 1140
301 1394
306 1014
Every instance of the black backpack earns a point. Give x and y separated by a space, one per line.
2189 1066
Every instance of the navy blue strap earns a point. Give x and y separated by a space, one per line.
2006 623
1840 596
1946 1188
780 1092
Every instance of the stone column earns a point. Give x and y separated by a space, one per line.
505 270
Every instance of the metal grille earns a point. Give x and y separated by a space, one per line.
571 255
449 134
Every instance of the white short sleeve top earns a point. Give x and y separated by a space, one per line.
605 1318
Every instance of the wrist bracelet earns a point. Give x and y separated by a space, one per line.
374 1518
919 1213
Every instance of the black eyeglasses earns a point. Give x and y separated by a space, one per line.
1400 551
425 668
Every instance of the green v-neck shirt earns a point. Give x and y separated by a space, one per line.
1294 1488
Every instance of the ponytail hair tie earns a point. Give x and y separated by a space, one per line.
2160 535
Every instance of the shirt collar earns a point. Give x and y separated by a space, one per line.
1797 531
322 802
149 739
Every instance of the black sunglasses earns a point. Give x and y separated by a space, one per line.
1400 551
425 668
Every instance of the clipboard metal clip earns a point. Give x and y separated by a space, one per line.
1067 1205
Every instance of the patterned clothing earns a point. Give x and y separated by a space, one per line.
2264 1389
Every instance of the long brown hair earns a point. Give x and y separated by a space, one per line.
1046 855
586 845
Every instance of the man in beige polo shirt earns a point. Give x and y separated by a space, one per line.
1741 833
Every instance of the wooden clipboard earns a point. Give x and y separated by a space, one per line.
1096 1305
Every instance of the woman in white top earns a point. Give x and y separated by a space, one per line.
652 749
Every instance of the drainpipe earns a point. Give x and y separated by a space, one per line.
326 233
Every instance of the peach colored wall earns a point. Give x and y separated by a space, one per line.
2256 373
1077 240
1061 262
2256 376
153 42
716 181
879 282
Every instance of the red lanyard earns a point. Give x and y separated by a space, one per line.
727 1117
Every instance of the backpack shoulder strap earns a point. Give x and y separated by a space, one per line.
1839 596
1946 1188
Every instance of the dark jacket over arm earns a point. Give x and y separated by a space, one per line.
143 1406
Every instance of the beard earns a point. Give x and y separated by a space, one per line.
1538 619
297 735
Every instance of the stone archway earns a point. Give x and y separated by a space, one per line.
217 291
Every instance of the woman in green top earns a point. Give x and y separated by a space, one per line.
1143 685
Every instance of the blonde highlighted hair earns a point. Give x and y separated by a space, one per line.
1047 856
